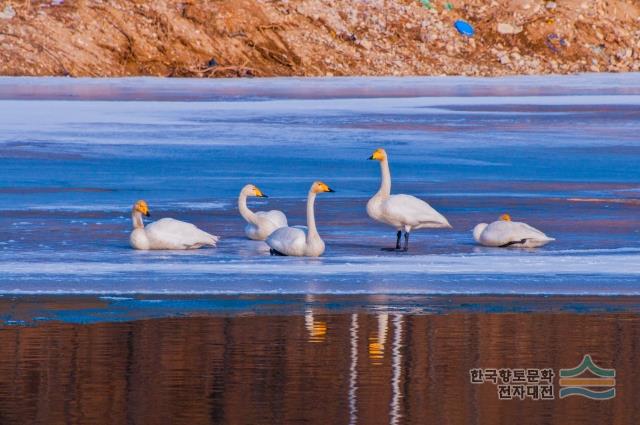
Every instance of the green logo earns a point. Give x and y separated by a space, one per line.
572 384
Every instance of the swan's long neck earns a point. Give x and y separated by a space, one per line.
312 231
245 212
136 218
385 183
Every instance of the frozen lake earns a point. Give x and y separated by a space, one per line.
560 153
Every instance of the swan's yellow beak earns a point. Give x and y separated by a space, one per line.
378 155
258 192
142 207
324 188
505 217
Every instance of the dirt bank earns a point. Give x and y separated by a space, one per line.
216 38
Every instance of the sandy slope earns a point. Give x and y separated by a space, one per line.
316 37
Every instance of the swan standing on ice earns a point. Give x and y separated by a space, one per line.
166 233
295 241
504 232
402 212
262 223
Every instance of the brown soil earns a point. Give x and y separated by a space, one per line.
316 37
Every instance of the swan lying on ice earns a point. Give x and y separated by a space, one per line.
166 233
504 233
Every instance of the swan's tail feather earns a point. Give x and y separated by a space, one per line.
435 225
445 222
212 239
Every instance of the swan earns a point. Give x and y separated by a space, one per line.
403 212
504 232
296 241
262 223
166 233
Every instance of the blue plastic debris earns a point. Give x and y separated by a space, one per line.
464 28
550 42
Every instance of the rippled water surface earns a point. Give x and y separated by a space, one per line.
303 359
560 153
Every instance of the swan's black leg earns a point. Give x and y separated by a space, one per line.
406 241
397 248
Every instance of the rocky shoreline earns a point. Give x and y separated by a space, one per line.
241 38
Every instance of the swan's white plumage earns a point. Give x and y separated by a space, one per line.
262 223
509 233
403 212
400 211
290 241
166 233
269 221
274 216
299 241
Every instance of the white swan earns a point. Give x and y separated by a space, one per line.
296 241
402 212
262 223
504 232
166 233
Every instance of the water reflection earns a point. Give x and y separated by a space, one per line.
316 329
268 369
378 340
353 370
396 370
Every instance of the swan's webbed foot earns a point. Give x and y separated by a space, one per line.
278 253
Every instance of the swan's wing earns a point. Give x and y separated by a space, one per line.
500 233
532 232
288 240
276 217
409 210
176 234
